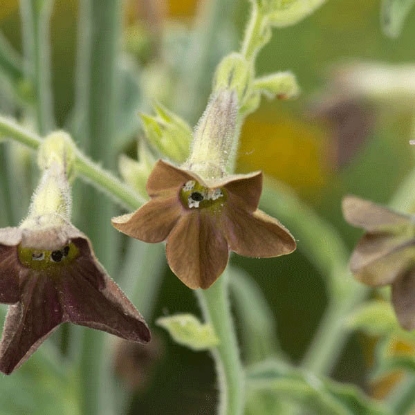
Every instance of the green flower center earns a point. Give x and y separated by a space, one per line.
195 196
43 260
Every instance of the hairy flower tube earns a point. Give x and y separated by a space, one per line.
49 275
202 212
386 253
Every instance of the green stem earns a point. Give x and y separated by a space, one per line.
89 171
99 37
257 34
216 309
10 62
36 26
332 332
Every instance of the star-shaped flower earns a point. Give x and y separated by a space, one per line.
386 253
49 275
202 220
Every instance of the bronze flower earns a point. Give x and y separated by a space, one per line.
202 220
49 275
386 253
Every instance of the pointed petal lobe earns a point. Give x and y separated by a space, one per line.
90 298
30 321
165 177
197 252
370 216
153 221
256 234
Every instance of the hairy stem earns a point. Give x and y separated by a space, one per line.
216 310
100 178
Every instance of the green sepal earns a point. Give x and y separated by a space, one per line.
187 330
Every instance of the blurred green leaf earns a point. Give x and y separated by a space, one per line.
187 330
393 15
319 395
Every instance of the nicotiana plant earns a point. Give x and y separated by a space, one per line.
182 191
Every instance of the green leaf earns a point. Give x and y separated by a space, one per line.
320 395
187 330
393 15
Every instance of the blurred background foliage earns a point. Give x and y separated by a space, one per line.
284 139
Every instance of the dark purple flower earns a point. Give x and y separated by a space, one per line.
49 275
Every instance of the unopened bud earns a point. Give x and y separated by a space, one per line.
234 72
168 133
214 137
57 147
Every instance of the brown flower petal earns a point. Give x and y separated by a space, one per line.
9 275
29 321
403 294
90 298
245 190
153 221
379 259
370 216
165 177
257 234
197 252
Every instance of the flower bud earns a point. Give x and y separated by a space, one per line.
214 136
57 147
168 133
283 85
234 72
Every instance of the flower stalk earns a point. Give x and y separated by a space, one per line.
216 310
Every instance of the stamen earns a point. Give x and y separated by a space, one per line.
38 256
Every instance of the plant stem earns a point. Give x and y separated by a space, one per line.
10 62
89 171
332 332
216 310
36 44
96 100
257 34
